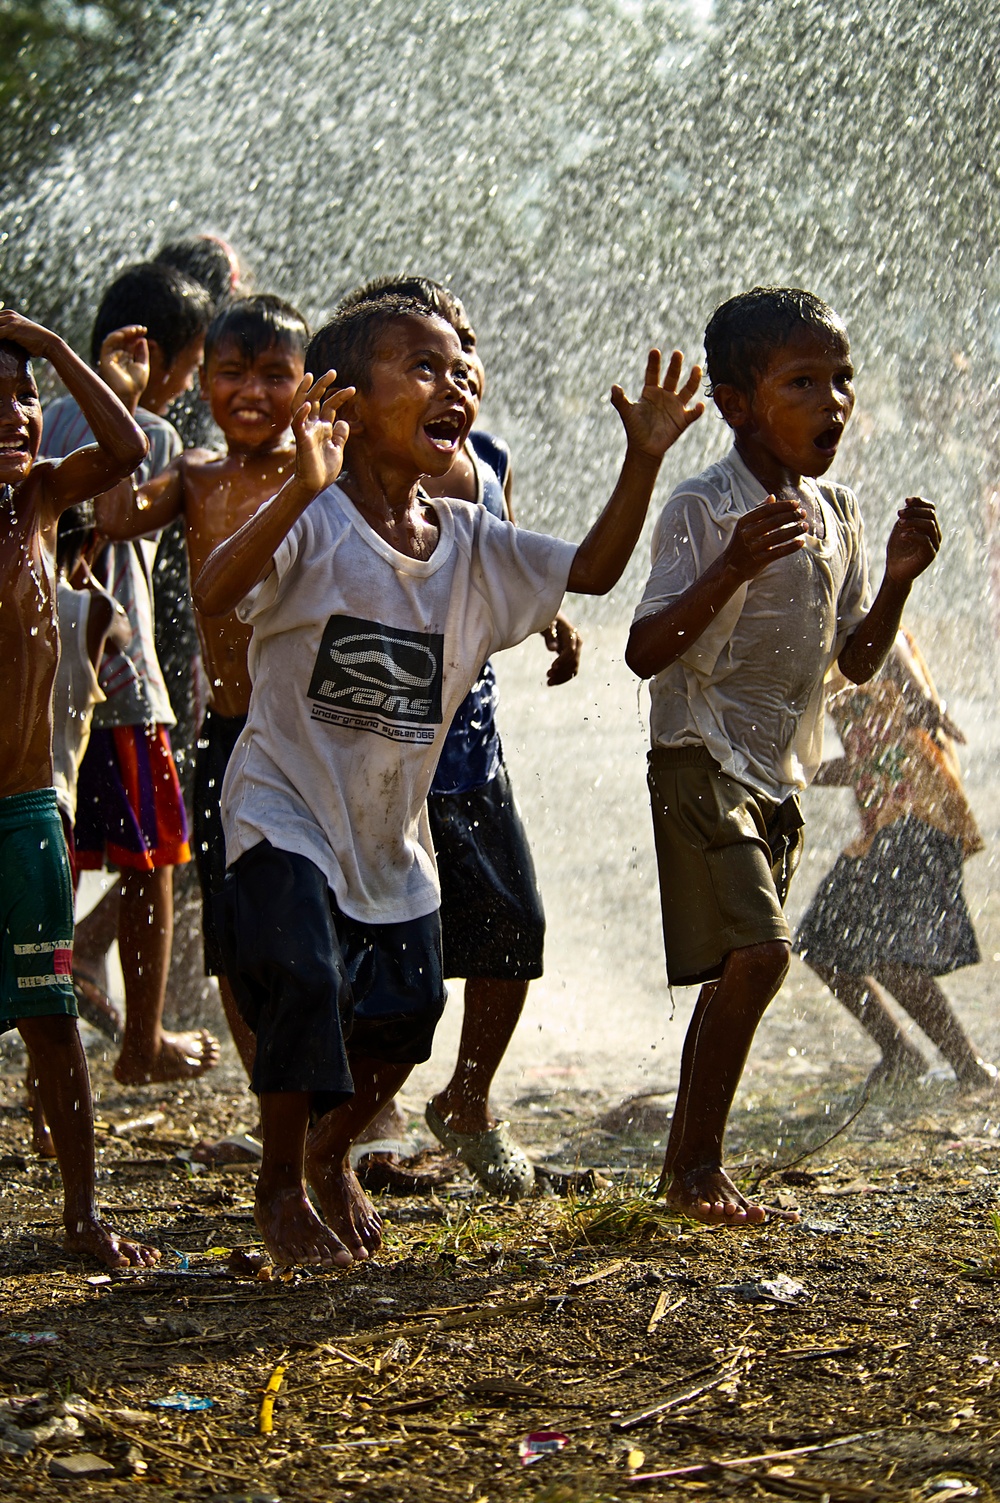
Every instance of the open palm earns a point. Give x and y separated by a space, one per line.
663 412
320 435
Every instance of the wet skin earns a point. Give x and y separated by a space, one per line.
216 493
41 491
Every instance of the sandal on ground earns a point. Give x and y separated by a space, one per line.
500 1166
418 1175
96 1007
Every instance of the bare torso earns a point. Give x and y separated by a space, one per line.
29 638
221 492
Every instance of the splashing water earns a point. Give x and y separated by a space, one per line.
591 177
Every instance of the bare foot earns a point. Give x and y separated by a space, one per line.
41 1138
706 1193
90 1235
344 1204
181 1056
978 1076
292 1231
901 1069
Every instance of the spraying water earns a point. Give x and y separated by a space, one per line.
592 177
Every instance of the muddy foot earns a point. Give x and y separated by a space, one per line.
293 1233
902 1069
92 1237
345 1205
979 1076
181 1056
708 1194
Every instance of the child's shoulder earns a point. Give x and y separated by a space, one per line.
715 491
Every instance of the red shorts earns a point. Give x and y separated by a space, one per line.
129 809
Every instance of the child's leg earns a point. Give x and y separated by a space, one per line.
246 1044
715 1050
492 1011
60 1070
328 1169
291 1230
145 933
861 997
918 991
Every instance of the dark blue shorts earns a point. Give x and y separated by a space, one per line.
316 986
491 910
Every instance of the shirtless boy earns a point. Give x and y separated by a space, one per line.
759 583
36 893
254 363
373 610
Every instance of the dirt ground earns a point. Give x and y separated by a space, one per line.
416 1377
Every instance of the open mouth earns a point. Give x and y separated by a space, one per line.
250 415
828 440
445 432
13 448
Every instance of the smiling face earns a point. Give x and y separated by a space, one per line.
419 404
792 423
251 398
20 416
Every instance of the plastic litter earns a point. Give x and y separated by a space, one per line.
84 1465
35 1338
187 1403
780 1290
540 1443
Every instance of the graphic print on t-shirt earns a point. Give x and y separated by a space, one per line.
384 679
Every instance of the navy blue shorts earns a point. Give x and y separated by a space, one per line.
316 986
491 910
215 745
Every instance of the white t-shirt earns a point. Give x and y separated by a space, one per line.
359 658
76 693
750 689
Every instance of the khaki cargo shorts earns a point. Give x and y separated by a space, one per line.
725 858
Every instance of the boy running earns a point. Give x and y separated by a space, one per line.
759 583
373 610
36 892
254 364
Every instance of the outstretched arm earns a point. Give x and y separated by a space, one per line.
769 532
652 425
121 444
125 512
912 547
232 569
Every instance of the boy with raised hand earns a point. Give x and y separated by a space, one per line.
492 919
130 813
759 583
36 893
254 364
373 610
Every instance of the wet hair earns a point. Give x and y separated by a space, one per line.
76 528
744 333
11 347
433 295
348 343
173 308
256 324
208 260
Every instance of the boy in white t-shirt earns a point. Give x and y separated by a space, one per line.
373 609
759 583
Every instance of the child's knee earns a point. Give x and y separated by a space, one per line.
762 967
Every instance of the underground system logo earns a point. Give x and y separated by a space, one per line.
378 678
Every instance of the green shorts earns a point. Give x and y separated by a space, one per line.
725 857
36 907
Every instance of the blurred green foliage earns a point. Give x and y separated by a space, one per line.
57 55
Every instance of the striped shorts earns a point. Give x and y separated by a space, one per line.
129 809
